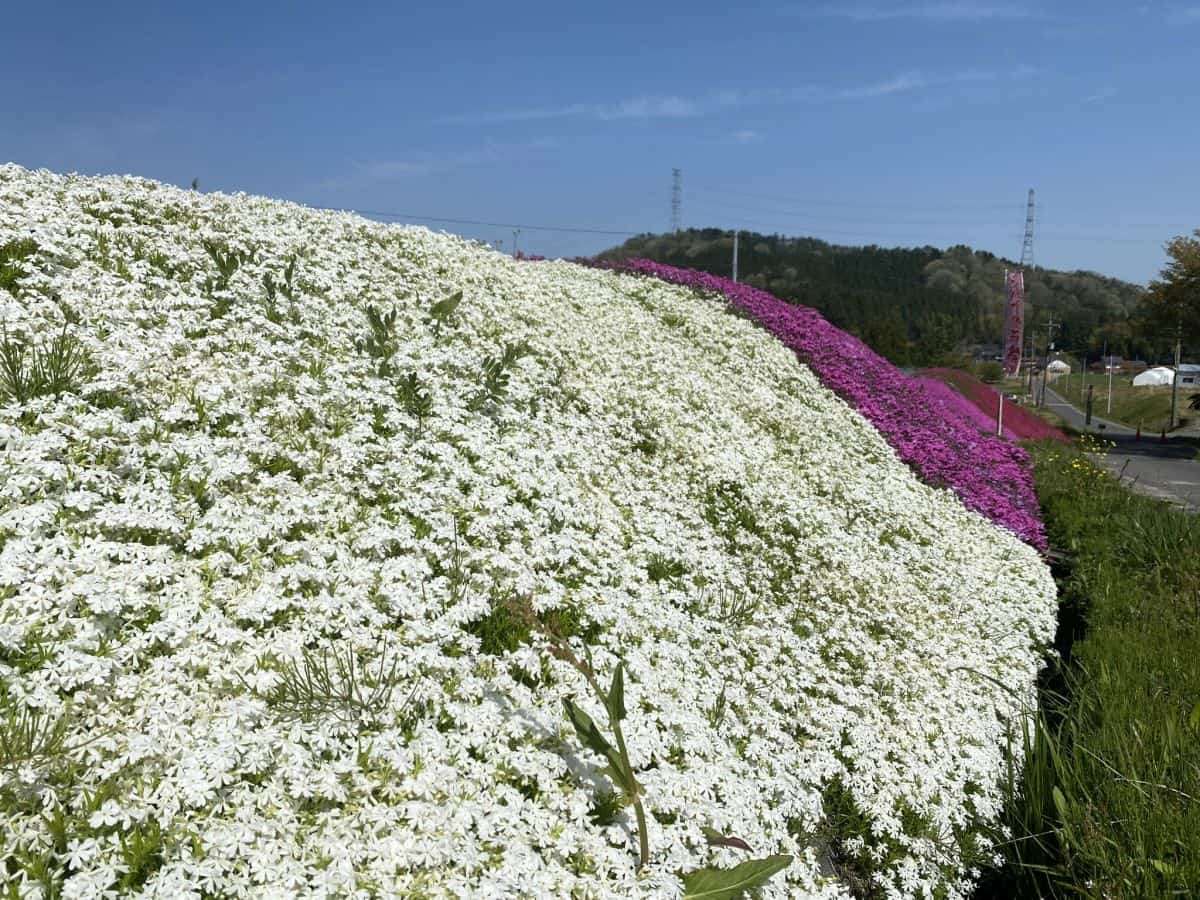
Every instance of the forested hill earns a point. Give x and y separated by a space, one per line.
916 306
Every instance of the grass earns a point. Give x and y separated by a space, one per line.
1108 802
1148 407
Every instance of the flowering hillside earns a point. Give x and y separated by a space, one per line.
990 475
1020 424
343 559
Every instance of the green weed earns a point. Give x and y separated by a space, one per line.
12 254
497 370
49 369
333 682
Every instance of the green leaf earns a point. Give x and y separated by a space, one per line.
1060 803
716 839
443 309
1162 868
713 883
591 737
616 694
1194 718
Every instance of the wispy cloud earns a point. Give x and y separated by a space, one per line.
1099 96
671 106
424 163
900 84
746 136
644 107
1184 15
963 11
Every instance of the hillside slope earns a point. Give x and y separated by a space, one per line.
943 441
271 507
913 305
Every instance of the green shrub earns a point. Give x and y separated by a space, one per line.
989 371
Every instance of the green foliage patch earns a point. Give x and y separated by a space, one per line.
1107 802
12 254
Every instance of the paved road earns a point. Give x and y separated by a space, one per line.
1163 469
1075 417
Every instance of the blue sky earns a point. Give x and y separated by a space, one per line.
889 123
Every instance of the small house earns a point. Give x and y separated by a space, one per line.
1189 374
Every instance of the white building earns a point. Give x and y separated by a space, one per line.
1155 377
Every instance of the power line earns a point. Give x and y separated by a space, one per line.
856 220
808 201
876 222
1008 207
878 229
381 214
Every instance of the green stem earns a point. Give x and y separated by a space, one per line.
636 790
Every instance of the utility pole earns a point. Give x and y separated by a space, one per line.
1104 358
735 249
1108 410
516 233
676 200
1175 380
1050 326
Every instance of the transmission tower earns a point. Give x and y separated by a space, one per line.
1014 283
676 200
1027 247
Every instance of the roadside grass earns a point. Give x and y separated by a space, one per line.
1108 802
1148 407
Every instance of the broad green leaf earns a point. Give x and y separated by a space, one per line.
616 694
713 883
1194 718
591 737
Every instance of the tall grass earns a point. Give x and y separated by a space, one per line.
1108 800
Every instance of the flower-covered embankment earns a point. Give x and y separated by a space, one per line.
990 475
306 521
1019 423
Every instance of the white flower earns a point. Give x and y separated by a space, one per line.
239 485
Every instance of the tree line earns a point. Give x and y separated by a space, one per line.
922 306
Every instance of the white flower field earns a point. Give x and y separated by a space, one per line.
309 524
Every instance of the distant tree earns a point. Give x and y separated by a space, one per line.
1173 300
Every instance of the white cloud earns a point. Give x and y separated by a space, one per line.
746 136
675 107
423 163
963 11
644 107
672 106
395 168
1099 96
900 84
1184 15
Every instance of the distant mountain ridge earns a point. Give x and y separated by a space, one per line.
914 305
